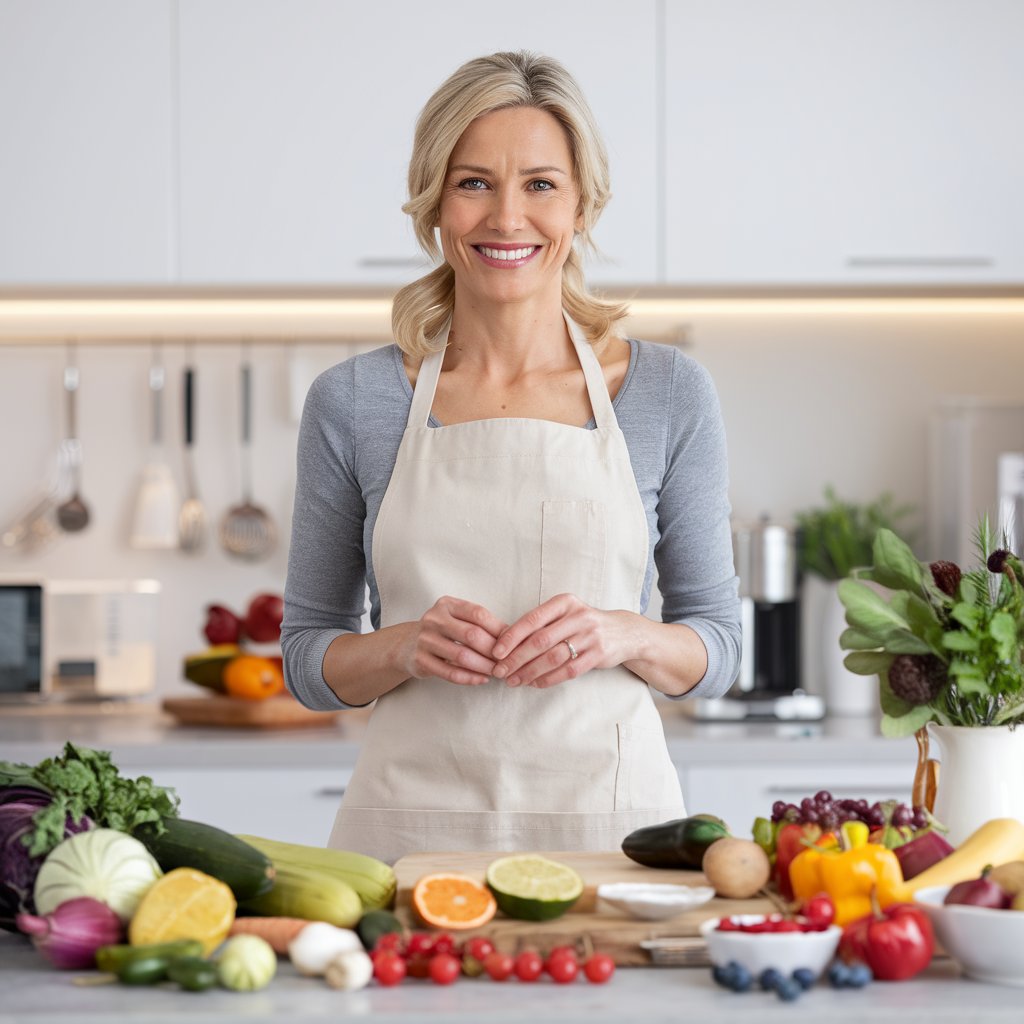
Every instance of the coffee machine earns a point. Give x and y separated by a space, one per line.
768 685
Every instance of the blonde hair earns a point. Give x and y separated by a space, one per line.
498 82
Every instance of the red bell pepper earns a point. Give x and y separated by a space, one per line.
896 943
792 839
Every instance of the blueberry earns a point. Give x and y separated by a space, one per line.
839 975
788 990
720 975
804 977
860 975
770 978
741 978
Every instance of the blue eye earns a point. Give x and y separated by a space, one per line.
542 185
473 184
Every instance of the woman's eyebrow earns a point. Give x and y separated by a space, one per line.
474 169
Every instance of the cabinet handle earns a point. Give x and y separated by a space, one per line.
392 261
334 791
844 788
919 261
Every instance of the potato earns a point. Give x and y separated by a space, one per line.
736 868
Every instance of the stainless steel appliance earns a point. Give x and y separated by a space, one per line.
768 684
77 638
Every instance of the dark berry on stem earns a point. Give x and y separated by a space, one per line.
917 678
946 576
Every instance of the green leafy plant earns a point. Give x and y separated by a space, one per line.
837 538
947 645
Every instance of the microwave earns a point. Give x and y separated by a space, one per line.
77 638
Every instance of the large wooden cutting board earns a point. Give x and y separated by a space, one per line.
283 712
609 930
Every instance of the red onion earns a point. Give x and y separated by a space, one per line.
70 936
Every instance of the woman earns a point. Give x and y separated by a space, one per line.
509 552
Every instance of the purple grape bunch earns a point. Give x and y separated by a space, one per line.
824 810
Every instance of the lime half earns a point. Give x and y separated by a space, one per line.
533 888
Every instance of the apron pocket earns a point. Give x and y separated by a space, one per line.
646 776
573 544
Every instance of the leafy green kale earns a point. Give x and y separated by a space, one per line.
85 783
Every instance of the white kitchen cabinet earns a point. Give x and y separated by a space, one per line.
297 124
295 805
86 159
740 793
850 142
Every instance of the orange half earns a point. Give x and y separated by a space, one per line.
452 902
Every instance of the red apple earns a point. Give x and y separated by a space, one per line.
223 626
263 617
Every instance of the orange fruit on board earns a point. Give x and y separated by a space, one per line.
452 902
253 678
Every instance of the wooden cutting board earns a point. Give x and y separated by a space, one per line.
283 712
609 930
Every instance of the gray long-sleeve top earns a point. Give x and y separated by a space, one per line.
352 424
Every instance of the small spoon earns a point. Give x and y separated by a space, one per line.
73 514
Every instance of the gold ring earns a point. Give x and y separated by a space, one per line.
573 654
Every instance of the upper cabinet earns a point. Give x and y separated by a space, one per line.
265 142
297 125
849 142
86 159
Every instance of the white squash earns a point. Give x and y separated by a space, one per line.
107 865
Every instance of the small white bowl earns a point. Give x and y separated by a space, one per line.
785 951
987 944
653 902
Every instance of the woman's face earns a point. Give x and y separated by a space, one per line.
510 206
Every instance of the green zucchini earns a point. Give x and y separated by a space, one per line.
146 970
675 844
113 958
309 893
190 844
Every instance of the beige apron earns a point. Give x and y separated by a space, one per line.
508 513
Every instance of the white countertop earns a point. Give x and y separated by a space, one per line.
138 734
34 993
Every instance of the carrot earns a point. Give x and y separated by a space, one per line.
278 931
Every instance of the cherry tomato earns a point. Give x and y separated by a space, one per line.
563 967
420 943
479 948
499 965
418 965
442 943
562 951
388 942
819 911
529 965
388 968
599 968
444 968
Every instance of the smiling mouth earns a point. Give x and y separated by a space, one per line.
506 255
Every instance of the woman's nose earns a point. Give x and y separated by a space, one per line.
506 215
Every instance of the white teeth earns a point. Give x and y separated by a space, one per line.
507 254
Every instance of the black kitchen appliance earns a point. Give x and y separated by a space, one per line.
768 685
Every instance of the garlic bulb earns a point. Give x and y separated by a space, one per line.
318 944
349 971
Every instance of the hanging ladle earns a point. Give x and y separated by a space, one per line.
72 514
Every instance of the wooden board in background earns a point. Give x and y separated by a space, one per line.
609 930
283 712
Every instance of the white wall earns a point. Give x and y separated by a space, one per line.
807 401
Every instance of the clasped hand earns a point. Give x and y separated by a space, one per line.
466 644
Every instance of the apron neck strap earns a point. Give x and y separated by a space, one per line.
430 372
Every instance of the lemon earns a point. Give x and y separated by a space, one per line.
184 904
533 888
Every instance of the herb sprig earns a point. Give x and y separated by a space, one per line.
947 646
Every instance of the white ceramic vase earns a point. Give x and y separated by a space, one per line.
981 776
845 693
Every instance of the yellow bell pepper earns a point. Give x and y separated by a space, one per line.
848 875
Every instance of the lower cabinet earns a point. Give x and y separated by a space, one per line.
293 805
740 794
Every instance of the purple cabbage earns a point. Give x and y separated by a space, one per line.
18 869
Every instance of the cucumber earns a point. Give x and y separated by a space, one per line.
375 923
675 844
309 893
193 973
146 970
190 844
113 958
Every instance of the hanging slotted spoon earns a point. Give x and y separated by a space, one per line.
247 531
